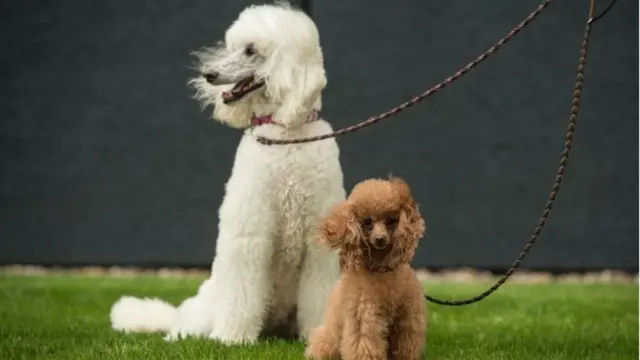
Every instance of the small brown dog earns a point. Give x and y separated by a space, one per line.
377 309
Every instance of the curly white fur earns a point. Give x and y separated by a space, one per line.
265 266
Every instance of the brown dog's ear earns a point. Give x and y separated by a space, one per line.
338 227
411 225
411 228
411 222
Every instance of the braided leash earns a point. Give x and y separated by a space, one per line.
564 159
566 152
434 89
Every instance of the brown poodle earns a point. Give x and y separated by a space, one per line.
377 309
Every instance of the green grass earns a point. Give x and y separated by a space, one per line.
66 317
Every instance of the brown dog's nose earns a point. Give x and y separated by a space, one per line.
210 77
380 242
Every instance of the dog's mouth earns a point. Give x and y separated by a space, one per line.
380 252
381 247
241 89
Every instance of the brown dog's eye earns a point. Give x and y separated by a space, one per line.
392 222
367 222
249 50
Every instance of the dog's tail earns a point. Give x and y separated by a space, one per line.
131 314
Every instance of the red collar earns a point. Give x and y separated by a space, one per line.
268 119
262 120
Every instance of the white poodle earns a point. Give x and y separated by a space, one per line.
266 78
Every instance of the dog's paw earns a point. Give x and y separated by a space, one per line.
309 354
176 335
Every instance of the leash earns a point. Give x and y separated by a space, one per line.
564 159
431 91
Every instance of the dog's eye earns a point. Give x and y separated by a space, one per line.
367 222
249 50
392 221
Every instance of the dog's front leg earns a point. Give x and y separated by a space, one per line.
240 283
365 333
408 334
320 273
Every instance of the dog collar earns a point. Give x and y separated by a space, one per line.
262 120
268 119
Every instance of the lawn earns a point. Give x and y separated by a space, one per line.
66 317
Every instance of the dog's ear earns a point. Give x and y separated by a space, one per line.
339 227
410 222
411 225
295 79
410 229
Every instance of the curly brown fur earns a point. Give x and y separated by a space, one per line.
377 309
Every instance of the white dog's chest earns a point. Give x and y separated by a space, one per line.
276 196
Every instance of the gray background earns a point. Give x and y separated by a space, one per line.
105 159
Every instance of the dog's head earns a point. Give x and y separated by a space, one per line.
377 227
270 62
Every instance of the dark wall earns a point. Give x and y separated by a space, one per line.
105 159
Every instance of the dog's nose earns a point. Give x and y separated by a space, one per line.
210 77
380 242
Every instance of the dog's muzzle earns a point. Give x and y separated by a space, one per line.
380 243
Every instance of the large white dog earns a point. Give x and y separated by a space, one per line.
266 78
